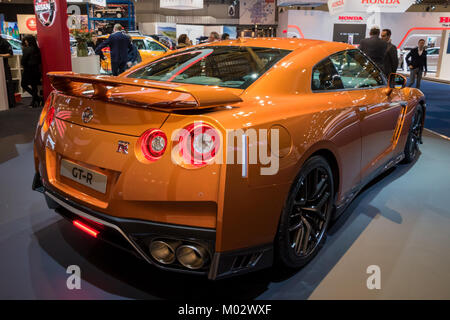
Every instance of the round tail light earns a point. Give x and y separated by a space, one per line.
153 144
199 144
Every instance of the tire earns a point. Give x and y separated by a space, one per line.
313 189
414 136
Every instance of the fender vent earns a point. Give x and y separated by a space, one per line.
246 261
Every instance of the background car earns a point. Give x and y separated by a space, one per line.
168 42
147 46
222 158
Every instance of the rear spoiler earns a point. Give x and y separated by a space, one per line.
177 97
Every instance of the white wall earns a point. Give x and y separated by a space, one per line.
192 31
208 29
445 62
148 27
319 24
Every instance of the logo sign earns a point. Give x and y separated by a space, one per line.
31 23
351 18
87 115
45 11
122 147
338 6
27 23
445 21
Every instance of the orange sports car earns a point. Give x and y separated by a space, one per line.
220 159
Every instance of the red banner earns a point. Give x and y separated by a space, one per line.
53 38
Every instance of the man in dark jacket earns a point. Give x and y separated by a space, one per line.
6 52
134 57
391 57
119 45
374 47
417 62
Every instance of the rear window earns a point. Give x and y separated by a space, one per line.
233 67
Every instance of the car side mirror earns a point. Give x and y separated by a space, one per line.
397 81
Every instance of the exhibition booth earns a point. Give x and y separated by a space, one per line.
351 27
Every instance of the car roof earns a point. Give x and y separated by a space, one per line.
280 43
134 37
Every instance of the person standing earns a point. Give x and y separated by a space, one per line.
391 57
183 41
374 47
134 57
213 36
417 62
31 63
6 52
120 45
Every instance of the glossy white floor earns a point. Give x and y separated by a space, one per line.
400 223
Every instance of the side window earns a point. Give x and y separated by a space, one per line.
153 46
139 44
356 70
325 77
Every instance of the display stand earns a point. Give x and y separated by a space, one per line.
443 70
3 89
109 15
87 65
16 72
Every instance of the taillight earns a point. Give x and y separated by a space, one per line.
45 109
85 228
50 116
153 144
199 144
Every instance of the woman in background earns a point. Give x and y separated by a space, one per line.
31 63
183 41
213 37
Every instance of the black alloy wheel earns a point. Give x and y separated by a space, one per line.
414 136
306 215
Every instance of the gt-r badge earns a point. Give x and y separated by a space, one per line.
122 147
87 115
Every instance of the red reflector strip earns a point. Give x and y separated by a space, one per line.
85 228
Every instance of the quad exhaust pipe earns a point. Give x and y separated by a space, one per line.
191 256
164 251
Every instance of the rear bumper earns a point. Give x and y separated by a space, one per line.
135 235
